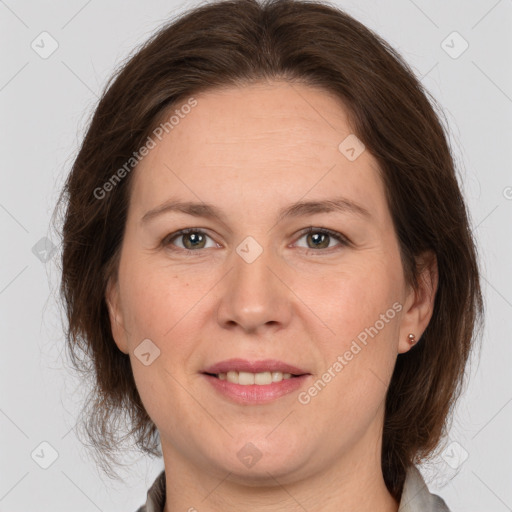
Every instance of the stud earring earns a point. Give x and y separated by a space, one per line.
412 339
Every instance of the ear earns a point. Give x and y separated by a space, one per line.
112 298
419 304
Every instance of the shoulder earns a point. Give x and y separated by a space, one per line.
156 496
416 497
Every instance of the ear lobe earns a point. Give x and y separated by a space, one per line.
115 314
419 305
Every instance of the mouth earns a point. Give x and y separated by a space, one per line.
247 373
255 382
249 379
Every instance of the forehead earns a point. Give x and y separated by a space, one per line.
260 144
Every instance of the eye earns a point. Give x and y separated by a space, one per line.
192 239
320 238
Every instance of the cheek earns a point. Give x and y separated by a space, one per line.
156 299
159 306
363 313
355 299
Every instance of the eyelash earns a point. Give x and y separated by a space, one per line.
324 231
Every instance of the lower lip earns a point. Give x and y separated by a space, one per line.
256 394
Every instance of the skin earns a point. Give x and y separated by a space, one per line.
251 151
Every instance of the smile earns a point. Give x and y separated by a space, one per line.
248 392
259 379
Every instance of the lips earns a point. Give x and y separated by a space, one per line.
243 365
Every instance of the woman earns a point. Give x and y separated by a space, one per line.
268 261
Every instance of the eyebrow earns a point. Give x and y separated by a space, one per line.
299 209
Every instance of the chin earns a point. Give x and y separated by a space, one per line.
258 460
263 474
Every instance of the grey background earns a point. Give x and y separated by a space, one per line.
45 104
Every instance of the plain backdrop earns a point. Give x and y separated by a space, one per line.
460 49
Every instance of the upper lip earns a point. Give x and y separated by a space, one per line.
243 365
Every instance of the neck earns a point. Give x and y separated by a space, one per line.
353 482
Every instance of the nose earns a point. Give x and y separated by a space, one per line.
255 297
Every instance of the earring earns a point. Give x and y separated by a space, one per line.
412 339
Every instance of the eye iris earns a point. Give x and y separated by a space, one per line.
194 237
317 236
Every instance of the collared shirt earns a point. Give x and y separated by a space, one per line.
415 495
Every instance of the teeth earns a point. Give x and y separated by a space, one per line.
247 378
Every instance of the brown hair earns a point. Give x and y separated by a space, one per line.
232 43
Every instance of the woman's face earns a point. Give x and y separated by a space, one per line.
248 283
